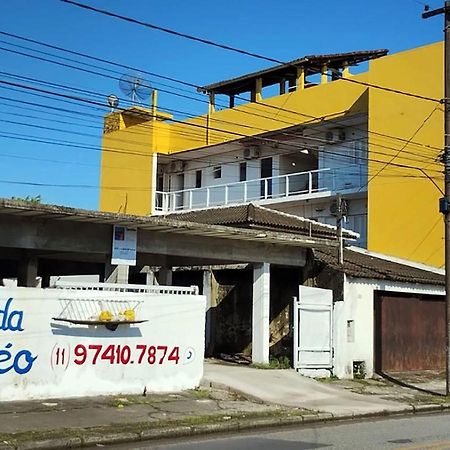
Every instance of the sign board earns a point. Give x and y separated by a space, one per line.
124 246
42 356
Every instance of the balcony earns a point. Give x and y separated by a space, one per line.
277 189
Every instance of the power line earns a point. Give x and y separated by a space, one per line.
226 47
170 110
171 93
173 32
196 125
427 118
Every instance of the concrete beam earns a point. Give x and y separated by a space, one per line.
261 313
91 238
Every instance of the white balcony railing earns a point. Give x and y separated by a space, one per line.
282 187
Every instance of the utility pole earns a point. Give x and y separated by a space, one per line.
339 209
444 203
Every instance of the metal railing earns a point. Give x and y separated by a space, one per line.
132 288
278 187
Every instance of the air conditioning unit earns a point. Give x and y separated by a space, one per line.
177 166
335 135
253 152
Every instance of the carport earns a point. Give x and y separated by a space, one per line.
44 240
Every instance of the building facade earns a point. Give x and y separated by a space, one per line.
312 130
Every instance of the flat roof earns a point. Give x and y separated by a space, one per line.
311 63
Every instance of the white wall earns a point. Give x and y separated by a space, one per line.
229 163
32 344
358 305
320 210
348 161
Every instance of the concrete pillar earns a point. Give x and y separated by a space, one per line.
300 78
283 86
345 70
261 313
210 291
258 90
45 281
154 181
150 278
324 74
154 103
116 274
212 103
292 84
122 274
27 272
165 276
231 101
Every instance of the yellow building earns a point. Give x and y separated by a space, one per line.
374 137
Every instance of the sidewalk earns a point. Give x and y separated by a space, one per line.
289 399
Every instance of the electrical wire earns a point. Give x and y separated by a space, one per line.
225 47
153 74
220 130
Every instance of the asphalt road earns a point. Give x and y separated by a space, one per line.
430 431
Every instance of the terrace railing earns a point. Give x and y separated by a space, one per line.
281 187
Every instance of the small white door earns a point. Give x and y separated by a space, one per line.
313 346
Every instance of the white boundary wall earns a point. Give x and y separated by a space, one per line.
358 306
43 358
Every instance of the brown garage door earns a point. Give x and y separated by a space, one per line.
409 332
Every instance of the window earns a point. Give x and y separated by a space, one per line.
243 171
217 172
198 178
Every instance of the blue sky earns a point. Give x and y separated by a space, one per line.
283 31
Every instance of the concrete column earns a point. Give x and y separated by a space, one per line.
345 70
122 274
116 274
292 84
258 90
165 276
154 182
283 86
300 78
150 278
261 313
45 281
210 291
324 74
212 103
231 101
27 272
154 103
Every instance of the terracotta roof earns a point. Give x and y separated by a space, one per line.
362 264
158 223
312 64
255 216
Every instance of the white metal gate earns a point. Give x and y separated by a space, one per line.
313 345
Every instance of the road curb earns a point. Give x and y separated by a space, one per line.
89 438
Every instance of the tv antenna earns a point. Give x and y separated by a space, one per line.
135 87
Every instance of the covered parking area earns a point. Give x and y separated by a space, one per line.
45 240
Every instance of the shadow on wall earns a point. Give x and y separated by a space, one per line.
231 317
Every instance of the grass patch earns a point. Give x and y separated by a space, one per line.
199 394
329 379
274 363
34 436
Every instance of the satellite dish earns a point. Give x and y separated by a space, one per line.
113 102
135 87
